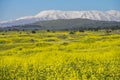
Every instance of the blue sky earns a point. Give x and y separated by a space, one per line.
12 9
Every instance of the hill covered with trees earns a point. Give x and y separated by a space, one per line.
68 24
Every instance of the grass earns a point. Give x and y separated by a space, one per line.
60 55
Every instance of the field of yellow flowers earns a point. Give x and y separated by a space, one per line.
60 55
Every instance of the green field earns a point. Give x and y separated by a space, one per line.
59 55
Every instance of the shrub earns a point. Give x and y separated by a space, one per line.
33 31
72 32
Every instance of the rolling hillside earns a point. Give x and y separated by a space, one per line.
68 24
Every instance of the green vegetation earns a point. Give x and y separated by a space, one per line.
68 24
60 55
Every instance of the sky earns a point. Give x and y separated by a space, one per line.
12 9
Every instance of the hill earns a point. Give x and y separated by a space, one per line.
68 24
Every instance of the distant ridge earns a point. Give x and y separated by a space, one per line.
68 24
111 15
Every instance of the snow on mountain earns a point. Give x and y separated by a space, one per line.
111 15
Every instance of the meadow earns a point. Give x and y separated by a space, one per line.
60 55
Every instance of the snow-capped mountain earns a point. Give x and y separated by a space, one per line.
111 15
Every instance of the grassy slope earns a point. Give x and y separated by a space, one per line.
59 55
68 24
75 24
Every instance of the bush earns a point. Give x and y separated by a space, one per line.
81 30
108 31
48 30
33 32
72 32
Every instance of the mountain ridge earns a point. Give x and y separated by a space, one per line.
67 24
111 15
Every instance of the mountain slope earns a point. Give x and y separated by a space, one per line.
68 24
111 15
